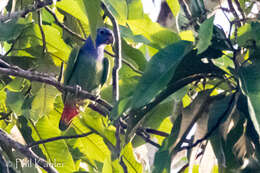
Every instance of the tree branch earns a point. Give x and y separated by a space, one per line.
146 137
7 140
117 50
115 77
39 77
58 138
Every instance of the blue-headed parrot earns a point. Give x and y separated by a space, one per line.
87 69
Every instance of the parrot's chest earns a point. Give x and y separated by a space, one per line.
89 74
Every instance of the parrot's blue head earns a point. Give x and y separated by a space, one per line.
104 36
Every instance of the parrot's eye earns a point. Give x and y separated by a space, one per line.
102 32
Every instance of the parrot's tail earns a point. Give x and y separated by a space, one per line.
69 111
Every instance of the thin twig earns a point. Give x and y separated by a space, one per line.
240 10
44 48
117 50
146 138
23 13
118 141
156 132
233 11
7 140
186 10
98 109
61 71
126 63
64 26
58 138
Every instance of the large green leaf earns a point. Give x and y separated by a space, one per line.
133 55
250 82
45 128
93 9
205 34
191 64
31 42
11 29
159 36
127 83
159 72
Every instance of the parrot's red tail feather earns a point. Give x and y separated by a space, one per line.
69 111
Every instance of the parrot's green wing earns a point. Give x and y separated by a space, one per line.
71 65
105 71
70 68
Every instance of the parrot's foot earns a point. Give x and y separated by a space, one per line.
78 89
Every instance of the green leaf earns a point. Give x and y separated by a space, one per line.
191 64
74 8
14 100
161 67
133 55
47 127
127 84
174 6
250 83
120 108
107 167
92 8
26 131
31 41
118 8
162 160
135 9
205 34
248 34
11 29
93 120
126 33
129 159
159 36
43 101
